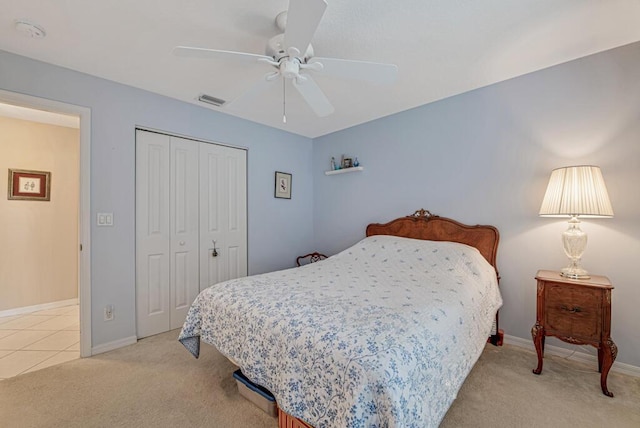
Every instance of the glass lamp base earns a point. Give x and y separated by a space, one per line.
575 273
574 241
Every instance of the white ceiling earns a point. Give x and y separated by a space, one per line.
441 47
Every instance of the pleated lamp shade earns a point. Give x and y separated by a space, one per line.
576 191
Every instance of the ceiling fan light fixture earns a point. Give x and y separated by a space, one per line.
211 100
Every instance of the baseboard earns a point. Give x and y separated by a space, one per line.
570 354
36 308
110 346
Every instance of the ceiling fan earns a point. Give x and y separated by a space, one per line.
291 54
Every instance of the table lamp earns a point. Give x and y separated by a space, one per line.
576 191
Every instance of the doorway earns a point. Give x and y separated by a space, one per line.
61 310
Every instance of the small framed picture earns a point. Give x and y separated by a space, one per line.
29 185
347 163
283 185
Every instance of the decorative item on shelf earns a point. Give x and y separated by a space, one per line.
576 191
345 164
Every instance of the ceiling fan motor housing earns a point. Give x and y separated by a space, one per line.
276 49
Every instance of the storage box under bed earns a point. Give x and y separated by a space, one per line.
257 394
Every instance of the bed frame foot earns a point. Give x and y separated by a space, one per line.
497 339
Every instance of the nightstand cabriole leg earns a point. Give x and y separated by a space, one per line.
600 356
610 352
537 332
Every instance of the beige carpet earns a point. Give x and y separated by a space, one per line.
157 383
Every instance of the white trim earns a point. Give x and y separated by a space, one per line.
110 346
188 137
84 215
84 275
570 354
36 308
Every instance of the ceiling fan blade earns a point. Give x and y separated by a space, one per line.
313 95
372 72
258 88
191 52
303 17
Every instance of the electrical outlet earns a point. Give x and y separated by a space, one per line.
108 313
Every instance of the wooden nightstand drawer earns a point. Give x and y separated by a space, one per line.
573 310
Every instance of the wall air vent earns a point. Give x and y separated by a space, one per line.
211 100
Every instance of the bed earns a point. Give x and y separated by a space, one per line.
382 334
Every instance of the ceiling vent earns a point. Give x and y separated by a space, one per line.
211 100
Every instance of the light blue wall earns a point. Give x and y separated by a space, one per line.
481 157
485 157
279 230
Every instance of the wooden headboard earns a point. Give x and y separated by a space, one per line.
424 225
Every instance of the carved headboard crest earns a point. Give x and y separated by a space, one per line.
422 213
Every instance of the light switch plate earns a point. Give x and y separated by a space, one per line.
105 219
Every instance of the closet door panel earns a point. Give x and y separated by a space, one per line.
223 217
155 284
212 270
234 263
152 233
236 212
184 284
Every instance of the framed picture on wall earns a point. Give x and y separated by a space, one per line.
29 185
283 185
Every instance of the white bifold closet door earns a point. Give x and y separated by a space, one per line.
188 195
223 214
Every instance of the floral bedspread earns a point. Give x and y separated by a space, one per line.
382 334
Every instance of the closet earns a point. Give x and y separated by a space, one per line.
191 224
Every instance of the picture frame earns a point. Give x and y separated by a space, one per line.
28 185
283 185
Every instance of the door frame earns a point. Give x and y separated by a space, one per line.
84 206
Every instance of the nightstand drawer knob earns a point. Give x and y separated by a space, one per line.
576 309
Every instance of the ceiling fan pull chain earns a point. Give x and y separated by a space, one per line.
284 101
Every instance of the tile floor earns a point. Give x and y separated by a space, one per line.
33 341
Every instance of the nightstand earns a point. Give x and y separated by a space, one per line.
578 312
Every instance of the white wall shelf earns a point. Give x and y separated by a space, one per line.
344 170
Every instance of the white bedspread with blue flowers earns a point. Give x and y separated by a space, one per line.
382 334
